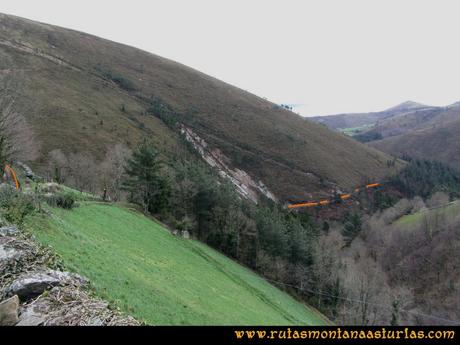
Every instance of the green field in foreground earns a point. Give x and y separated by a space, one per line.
159 278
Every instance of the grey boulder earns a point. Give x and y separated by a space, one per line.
30 317
32 284
8 230
8 255
9 311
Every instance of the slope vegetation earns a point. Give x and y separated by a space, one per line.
159 278
409 254
82 94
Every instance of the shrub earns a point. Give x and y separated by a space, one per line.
368 136
186 224
123 82
117 78
62 200
15 205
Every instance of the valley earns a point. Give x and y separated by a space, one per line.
173 198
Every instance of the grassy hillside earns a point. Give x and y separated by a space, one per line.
440 142
83 93
159 278
409 121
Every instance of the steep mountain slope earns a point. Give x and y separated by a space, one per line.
402 123
440 142
159 278
82 94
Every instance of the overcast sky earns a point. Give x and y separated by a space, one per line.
326 56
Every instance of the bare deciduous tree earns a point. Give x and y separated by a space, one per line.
84 172
112 170
17 140
324 276
58 168
438 199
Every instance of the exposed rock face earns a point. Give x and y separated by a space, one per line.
244 184
30 317
68 278
27 170
8 251
8 230
9 311
16 255
8 255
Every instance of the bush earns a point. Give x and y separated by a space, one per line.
15 205
117 78
186 224
62 200
368 136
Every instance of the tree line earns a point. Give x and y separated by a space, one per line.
423 178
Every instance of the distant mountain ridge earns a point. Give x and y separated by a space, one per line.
348 120
408 129
408 105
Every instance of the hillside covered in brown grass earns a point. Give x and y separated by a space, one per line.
435 138
81 93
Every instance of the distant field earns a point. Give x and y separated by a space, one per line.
355 130
159 278
449 210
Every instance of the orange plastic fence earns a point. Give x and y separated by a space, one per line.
13 175
327 202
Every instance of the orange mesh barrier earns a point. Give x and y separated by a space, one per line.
13 175
327 202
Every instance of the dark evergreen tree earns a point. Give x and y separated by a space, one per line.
144 180
352 227
395 313
424 178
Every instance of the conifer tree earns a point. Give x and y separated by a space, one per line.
144 181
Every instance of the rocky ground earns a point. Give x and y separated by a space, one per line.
35 290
